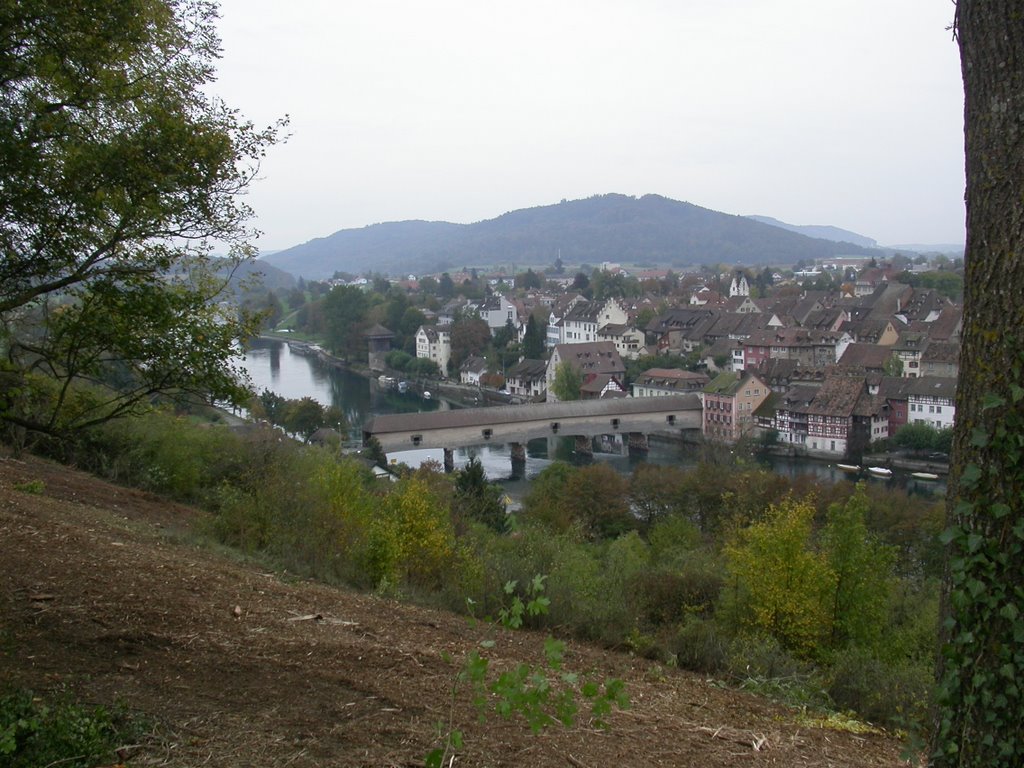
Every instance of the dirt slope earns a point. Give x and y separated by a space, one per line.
100 593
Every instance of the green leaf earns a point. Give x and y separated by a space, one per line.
971 475
991 400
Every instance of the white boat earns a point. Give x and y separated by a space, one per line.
426 394
880 471
924 475
851 468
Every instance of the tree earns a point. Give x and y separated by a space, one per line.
981 703
470 336
567 382
478 499
893 366
777 583
303 417
118 175
533 339
344 310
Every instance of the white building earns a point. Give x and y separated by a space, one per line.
434 342
931 400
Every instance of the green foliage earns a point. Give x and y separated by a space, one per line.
923 437
34 487
477 499
568 381
118 173
543 695
535 603
35 732
777 583
344 310
861 569
534 338
983 661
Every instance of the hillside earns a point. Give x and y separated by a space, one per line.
820 231
103 591
618 228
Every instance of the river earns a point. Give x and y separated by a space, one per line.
272 365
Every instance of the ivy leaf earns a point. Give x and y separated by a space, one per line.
990 401
971 475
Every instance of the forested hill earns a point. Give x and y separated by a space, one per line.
610 227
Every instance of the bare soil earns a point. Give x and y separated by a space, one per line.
107 592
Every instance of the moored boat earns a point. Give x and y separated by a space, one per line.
924 475
880 471
851 468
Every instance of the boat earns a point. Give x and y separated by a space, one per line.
880 471
924 475
851 468
403 387
426 394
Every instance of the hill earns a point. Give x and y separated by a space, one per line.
618 228
104 593
820 231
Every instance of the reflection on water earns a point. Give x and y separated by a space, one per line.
272 365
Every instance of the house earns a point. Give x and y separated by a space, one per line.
472 369
596 357
434 342
626 337
866 358
585 318
681 330
496 311
941 358
931 400
658 382
811 348
908 349
838 418
598 385
527 379
730 400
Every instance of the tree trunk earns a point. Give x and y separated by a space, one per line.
981 669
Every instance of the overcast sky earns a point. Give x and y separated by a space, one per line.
842 112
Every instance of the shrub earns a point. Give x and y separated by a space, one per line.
34 732
888 693
698 645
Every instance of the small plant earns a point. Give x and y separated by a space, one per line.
536 604
544 695
35 487
34 732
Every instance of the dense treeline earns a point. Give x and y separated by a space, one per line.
826 595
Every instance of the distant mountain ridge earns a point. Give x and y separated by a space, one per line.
823 232
610 227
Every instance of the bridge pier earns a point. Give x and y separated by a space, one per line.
449 460
584 445
518 454
638 442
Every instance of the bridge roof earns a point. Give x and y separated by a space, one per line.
511 414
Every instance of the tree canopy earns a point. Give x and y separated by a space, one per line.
119 177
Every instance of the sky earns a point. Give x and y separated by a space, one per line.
839 112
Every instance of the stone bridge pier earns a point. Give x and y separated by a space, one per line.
638 443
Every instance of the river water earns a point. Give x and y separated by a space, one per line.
271 364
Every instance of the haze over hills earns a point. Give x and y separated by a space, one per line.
612 227
820 231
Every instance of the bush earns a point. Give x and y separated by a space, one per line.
34 732
698 645
888 693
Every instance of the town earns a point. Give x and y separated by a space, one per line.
823 359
